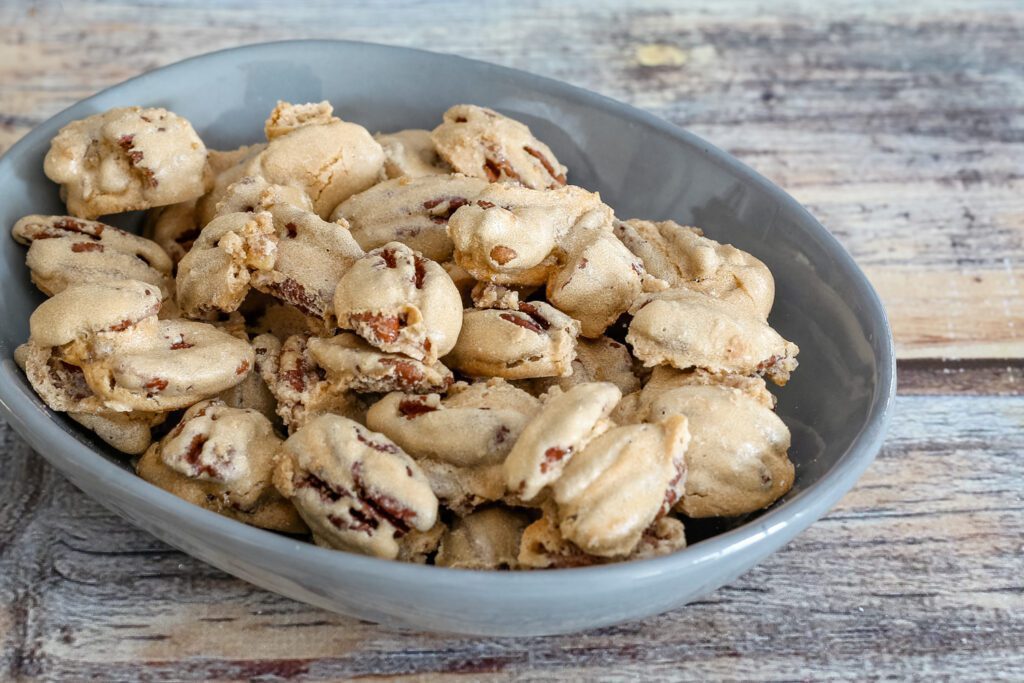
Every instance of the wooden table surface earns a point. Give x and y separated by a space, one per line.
900 125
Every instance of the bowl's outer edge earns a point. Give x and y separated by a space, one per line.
269 556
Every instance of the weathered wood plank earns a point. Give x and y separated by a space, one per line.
976 377
901 127
915 574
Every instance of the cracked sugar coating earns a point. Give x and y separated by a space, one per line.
353 365
688 329
683 257
65 251
299 385
216 273
509 234
411 154
252 193
62 387
222 459
282 249
312 256
400 302
481 142
413 211
60 384
355 488
287 117
563 427
330 162
475 424
665 378
623 480
736 462
127 159
537 340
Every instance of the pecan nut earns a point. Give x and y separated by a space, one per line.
619 484
683 257
567 422
411 154
688 329
481 142
353 365
400 302
413 211
355 488
64 251
222 458
737 461
127 159
536 340
510 235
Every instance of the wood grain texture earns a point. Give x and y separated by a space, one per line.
900 125
915 574
890 121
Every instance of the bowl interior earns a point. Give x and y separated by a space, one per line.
642 167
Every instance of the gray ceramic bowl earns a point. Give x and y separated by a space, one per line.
836 405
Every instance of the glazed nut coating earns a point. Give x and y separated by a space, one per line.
169 366
475 425
537 340
564 426
509 234
615 488
127 159
64 250
599 281
736 462
481 142
216 273
410 154
683 257
688 329
401 302
411 210
329 161
355 488
222 458
352 364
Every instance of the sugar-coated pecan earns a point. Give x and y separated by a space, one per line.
127 159
222 458
354 488
481 142
400 302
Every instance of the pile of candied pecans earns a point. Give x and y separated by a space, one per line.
420 345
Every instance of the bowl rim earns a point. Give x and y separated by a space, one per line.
25 413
